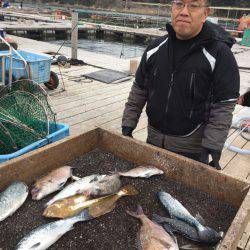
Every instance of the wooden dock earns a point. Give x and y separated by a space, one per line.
86 104
23 23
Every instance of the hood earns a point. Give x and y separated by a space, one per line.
209 32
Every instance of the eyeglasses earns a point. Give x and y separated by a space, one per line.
179 5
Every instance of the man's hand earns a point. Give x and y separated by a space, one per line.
127 131
216 155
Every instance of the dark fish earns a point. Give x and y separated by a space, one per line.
178 211
177 226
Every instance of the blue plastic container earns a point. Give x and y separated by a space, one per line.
62 132
38 66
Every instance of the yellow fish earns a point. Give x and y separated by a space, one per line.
96 207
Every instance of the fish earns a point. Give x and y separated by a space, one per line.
52 182
177 226
96 207
78 187
152 236
12 199
46 235
110 184
141 172
177 211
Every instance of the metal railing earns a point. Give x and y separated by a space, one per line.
10 56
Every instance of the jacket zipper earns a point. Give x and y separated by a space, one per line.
169 92
192 91
172 76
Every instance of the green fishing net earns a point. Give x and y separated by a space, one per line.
26 115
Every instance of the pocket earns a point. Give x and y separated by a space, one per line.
155 137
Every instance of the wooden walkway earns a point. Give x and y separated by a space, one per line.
86 104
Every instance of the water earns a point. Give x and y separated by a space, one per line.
117 49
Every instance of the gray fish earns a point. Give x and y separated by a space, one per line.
110 184
46 235
81 186
12 198
142 172
180 227
178 211
177 226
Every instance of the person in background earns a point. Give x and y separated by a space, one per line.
244 99
189 80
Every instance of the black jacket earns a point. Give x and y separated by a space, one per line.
201 91
179 97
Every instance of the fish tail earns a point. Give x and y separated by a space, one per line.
128 190
137 214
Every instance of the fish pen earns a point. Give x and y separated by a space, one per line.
222 201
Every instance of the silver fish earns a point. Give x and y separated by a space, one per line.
78 187
178 211
142 172
46 235
12 198
52 182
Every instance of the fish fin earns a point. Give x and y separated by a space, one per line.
137 213
217 246
200 219
195 247
114 172
138 242
158 219
36 245
128 190
95 178
84 215
61 185
75 178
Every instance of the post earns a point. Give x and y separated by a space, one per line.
74 35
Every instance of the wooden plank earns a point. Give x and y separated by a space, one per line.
115 125
248 245
141 134
96 121
72 120
244 238
239 167
78 95
91 106
91 99
228 155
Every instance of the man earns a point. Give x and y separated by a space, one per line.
190 82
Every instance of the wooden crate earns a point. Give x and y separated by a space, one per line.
32 165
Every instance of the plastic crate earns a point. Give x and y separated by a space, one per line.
38 66
246 38
62 132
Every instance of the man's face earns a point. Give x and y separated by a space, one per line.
188 20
